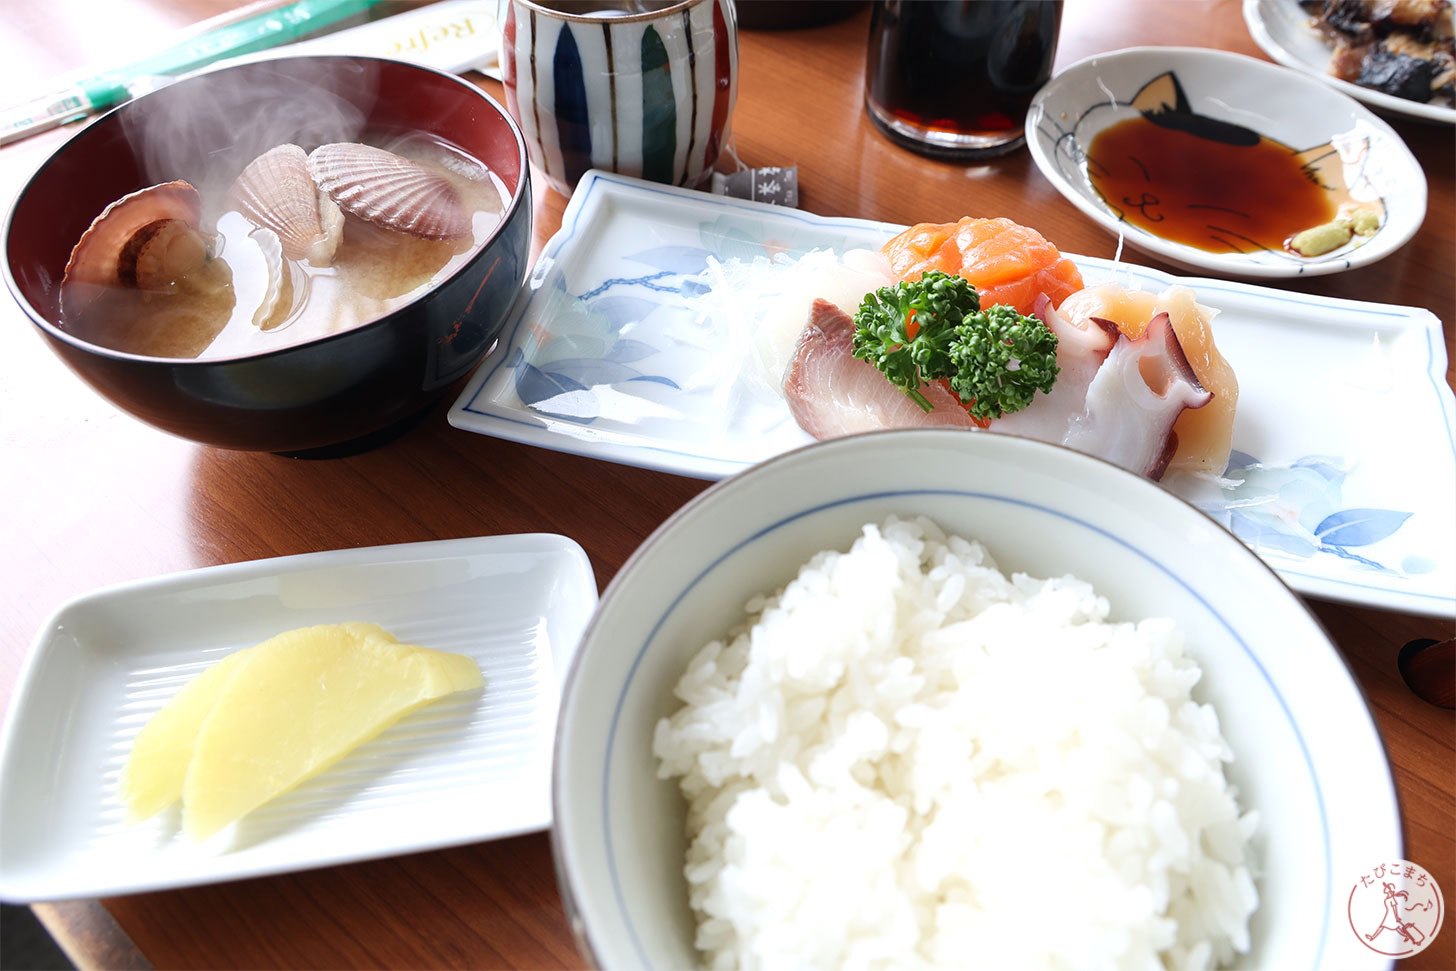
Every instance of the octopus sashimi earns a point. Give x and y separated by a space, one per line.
1204 435
1143 388
1008 263
1082 348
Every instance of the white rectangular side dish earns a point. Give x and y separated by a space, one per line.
471 767
1345 440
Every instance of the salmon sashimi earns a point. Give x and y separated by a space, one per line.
1204 435
1006 262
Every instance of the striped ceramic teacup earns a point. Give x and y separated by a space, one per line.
635 87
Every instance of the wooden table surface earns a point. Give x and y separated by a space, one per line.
89 496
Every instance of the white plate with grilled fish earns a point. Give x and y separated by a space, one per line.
1285 31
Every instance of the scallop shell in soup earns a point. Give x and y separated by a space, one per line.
95 261
270 245
275 191
390 191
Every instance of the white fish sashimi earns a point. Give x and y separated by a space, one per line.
832 393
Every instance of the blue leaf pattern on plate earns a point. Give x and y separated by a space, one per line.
1265 532
586 372
627 350
687 260
658 379
585 349
1355 557
1359 527
621 311
652 281
694 288
534 385
733 237
1298 509
1324 465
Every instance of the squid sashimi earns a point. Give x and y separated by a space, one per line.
1205 435
832 393
1008 263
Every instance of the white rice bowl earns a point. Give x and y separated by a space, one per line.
1307 768
855 757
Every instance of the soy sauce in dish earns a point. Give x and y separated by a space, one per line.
1209 194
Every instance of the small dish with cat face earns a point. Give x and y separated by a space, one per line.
1219 162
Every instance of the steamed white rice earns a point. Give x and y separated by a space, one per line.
906 759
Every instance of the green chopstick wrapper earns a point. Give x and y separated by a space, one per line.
258 32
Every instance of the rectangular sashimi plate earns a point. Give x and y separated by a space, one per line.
1344 459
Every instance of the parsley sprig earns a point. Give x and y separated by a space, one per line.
995 360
